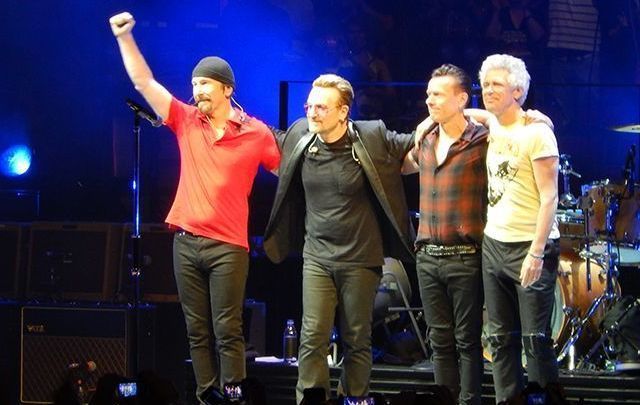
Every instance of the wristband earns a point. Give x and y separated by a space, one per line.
541 257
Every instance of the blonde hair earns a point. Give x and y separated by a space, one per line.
339 83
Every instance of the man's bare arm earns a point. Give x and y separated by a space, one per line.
545 171
139 72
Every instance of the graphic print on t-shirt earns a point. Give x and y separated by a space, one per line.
502 167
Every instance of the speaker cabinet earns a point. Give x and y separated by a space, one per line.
254 318
9 351
73 261
13 242
54 337
157 283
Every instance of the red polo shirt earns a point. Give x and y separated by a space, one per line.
216 177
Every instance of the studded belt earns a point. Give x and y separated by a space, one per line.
447 250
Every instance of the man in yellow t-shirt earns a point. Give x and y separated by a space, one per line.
520 246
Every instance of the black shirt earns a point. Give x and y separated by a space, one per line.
342 229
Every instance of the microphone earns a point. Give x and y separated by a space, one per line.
144 113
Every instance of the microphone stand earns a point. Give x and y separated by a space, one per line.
629 173
135 271
136 266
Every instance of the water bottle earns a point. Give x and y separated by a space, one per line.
290 342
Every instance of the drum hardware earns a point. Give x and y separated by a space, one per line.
586 204
604 301
569 346
567 199
616 228
629 171
572 302
610 331
607 261
578 325
601 259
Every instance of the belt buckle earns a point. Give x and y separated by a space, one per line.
441 250
434 250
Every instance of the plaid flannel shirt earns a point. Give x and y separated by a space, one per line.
453 196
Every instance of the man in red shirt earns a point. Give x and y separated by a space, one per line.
220 151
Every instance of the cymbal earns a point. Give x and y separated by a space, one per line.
631 128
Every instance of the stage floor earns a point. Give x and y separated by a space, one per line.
280 379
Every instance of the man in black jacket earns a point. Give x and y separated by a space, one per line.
341 203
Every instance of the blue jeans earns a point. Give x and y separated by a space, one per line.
211 278
352 291
519 316
451 293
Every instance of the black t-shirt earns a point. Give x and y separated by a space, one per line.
341 222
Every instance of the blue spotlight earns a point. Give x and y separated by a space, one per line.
15 160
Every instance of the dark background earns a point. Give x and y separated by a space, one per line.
63 87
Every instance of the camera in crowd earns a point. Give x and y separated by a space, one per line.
146 389
127 390
247 392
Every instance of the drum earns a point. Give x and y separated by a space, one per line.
628 256
626 222
572 298
571 227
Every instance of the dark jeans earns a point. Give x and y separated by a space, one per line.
519 316
352 291
451 293
211 278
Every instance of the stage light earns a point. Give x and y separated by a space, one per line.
15 160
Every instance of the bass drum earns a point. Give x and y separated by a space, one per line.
572 298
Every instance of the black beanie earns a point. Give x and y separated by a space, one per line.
215 68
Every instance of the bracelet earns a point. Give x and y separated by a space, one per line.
541 257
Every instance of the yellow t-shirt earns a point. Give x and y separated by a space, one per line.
514 200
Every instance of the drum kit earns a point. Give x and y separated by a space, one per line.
599 234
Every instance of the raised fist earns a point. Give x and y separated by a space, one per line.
121 23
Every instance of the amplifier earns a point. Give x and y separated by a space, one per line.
157 282
254 318
73 261
55 337
9 351
13 242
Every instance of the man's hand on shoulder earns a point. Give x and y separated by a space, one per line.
422 130
536 117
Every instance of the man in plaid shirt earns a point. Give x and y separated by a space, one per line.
453 200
